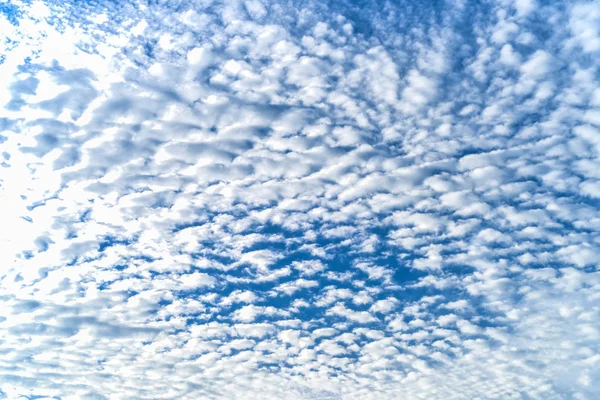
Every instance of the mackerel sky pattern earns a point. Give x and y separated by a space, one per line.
247 199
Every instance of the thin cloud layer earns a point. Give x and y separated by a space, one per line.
326 200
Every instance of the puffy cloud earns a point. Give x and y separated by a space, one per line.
230 199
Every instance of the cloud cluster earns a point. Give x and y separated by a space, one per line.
237 199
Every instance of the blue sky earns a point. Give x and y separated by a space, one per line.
305 200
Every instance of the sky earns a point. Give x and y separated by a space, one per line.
254 199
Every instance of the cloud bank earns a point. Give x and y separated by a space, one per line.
308 200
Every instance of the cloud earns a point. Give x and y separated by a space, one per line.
252 198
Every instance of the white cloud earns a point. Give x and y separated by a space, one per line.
300 202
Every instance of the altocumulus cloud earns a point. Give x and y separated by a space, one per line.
304 200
